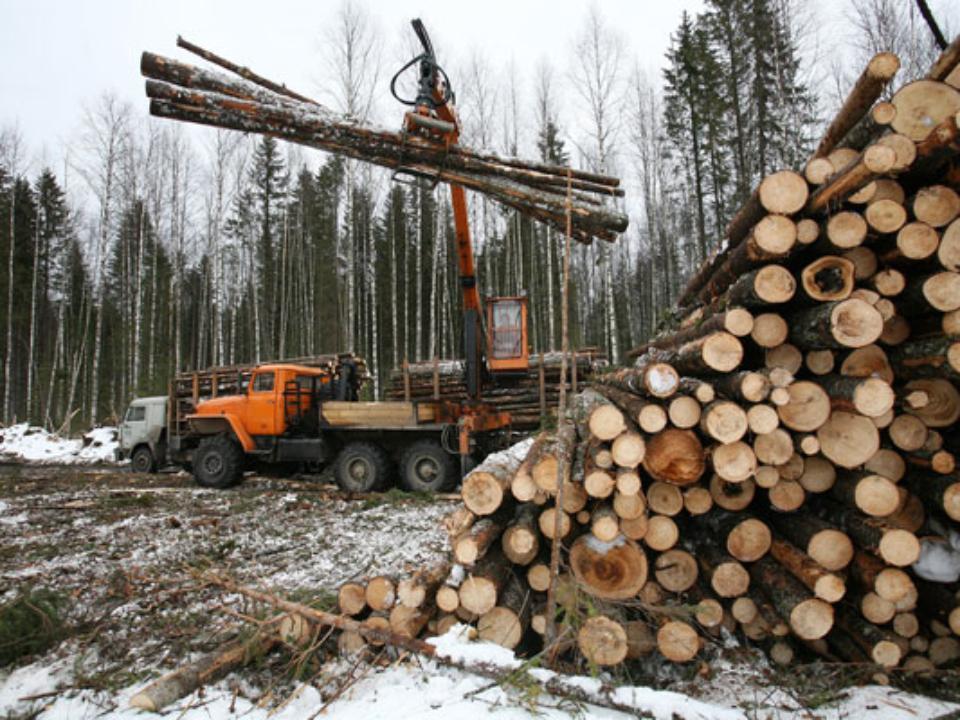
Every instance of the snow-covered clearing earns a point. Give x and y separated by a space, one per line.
121 547
30 444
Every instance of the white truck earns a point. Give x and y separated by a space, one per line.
143 434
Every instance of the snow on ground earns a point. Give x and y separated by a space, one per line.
30 444
428 690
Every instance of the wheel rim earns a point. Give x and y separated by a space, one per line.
140 462
426 469
213 464
359 470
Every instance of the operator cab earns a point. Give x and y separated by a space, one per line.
507 348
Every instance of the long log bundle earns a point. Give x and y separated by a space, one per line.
782 461
249 103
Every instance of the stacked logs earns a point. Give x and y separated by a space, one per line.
529 398
782 462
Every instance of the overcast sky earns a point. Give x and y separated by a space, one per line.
57 55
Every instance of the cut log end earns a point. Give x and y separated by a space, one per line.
602 641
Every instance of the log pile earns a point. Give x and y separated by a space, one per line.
245 101
781 463
530 398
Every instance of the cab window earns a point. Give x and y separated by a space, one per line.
136 413
263 382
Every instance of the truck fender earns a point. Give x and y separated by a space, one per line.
213 424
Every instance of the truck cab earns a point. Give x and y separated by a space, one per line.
143 433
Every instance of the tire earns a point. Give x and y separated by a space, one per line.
361 467
218 462
426 467
142 460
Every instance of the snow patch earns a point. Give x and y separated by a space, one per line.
939 559
602 548
34 445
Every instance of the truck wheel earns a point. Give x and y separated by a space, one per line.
361 467
142 460
218 462
426 467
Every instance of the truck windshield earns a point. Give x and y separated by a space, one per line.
263 382
136 413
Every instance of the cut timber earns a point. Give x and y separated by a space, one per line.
828 279
697 500
610 571
850 323
880 646
783 193
684 412
887 462
772 238
381 593
603 641
415 591
506 623
717 352
657 379
677 641
728 578
664 499
448 599
768 285
734 320
886 216
731 496
810 618
939 491
824 584
749 540
762 419
941 291
747 386
787 496
828 546
889 282
846 230
873 494
942 408
921 106
409 622
848 440
864 93
474 543
629 507
675 456
352 598
868 361
181 682
724 421
871 164
628 449
734 462
808 408
948 250
486 486
558 454
774 448
522 485
662 533
676 570
478 593
548 520
870 396
769 330
895 546
650 416
604 523
864 261
521 540
787 357
931 357
908 433
820 362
